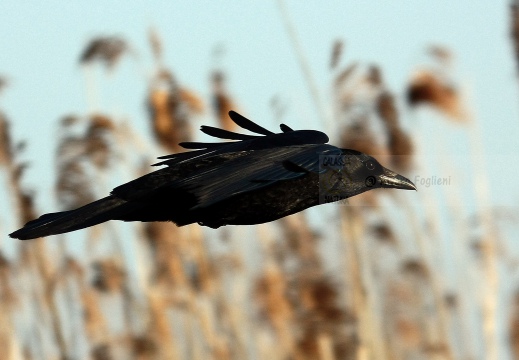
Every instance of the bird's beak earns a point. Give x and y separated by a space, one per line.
391 179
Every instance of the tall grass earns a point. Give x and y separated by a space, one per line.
184 294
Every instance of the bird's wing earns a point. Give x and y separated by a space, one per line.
217 170
269 139
245 123
256 170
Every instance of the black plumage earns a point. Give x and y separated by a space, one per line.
253 180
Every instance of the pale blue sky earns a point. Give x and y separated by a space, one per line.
40 45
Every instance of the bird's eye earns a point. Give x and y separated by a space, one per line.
370 165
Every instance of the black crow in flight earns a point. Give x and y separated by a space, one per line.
253 180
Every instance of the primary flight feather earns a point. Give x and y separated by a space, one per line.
256 179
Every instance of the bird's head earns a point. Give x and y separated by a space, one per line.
353 173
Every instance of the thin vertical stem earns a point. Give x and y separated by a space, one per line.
303 62
489 250
371 345
92 93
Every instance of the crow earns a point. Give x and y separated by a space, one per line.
251 180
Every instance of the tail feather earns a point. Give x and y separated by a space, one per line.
91 214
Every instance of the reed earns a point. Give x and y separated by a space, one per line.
275 291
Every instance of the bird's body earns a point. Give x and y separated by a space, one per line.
254 180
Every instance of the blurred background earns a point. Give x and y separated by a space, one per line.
91 94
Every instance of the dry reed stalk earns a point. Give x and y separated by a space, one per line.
359 136
170 110
101 147
318 316
8 302
157 47
50 277
162 122
43 281
238 320
203 309
514 27
440 53
91 90
164 239
193 342
440 331
399 142
206 271
94 320
143 347
432 210
360 281
314 296
427 87
386 109
170 284
303 62
170 106
160 328
383 232
337 50
363 289
301 240
325 345
192 101
36 253
126 139
76 152
222 101
71 270
461 234
445 98
6 155
267 344
109 276
270 293
222 351
4 82
8 296
513 328
221 330
98 141
417 273
217 316
169 245
374 76
14 171
481 189
229 288
374 79
73 186
404 330
107 50
344 76
6 337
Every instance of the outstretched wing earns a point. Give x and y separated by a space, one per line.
216 171
253 171
245 142
222 176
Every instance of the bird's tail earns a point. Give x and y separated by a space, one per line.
91 214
